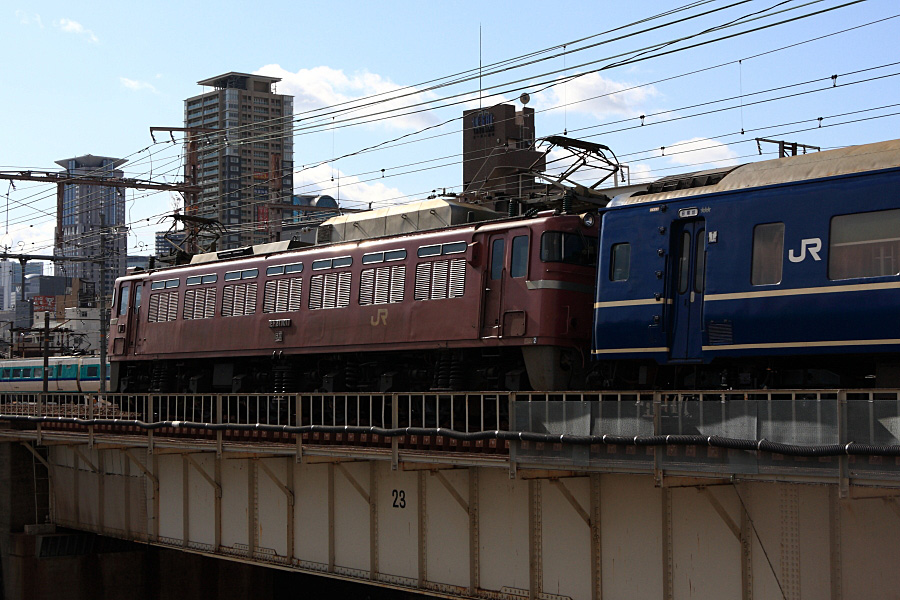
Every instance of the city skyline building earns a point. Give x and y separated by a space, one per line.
163 247
11 280
245 166
498 151
93 223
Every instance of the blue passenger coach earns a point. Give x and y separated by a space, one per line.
781 272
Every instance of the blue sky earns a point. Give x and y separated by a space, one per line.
91 78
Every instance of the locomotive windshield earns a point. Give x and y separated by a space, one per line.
569 248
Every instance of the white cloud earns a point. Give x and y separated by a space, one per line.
640 173
137 86
597 96
359 194
323 86
70 26
699 150
472 101
29 238
27 19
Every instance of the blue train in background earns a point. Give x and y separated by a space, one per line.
782 273
66 374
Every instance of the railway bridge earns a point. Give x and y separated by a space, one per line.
694 494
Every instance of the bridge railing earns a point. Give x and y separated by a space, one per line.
259 416
719 431
809 432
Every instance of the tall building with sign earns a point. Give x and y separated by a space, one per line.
93 223
245 165
497 144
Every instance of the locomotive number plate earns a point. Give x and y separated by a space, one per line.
273 323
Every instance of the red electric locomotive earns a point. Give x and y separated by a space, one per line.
392 303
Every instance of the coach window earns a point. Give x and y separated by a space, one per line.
864 245
684 272
519 266
768 254
123 299
620 262
497 252
700 267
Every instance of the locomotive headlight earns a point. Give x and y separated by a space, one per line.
588 220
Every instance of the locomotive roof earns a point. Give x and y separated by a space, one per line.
406 218
843 161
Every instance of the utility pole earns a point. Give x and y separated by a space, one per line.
191 171
104 317
46 349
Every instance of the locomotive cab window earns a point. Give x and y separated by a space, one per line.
864 245
497 252
620 262
569 248
768 254
519 266
123 299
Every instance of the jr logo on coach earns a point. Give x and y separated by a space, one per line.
813 245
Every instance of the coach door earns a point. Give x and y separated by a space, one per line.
689 282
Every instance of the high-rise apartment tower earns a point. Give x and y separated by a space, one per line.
93 223
245 167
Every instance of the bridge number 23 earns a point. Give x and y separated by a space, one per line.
399 498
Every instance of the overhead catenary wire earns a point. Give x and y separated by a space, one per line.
441 186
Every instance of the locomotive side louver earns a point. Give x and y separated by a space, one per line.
383 285
239 300
331 290
199 304
457 277
441 279
282 295
423 281
163 307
